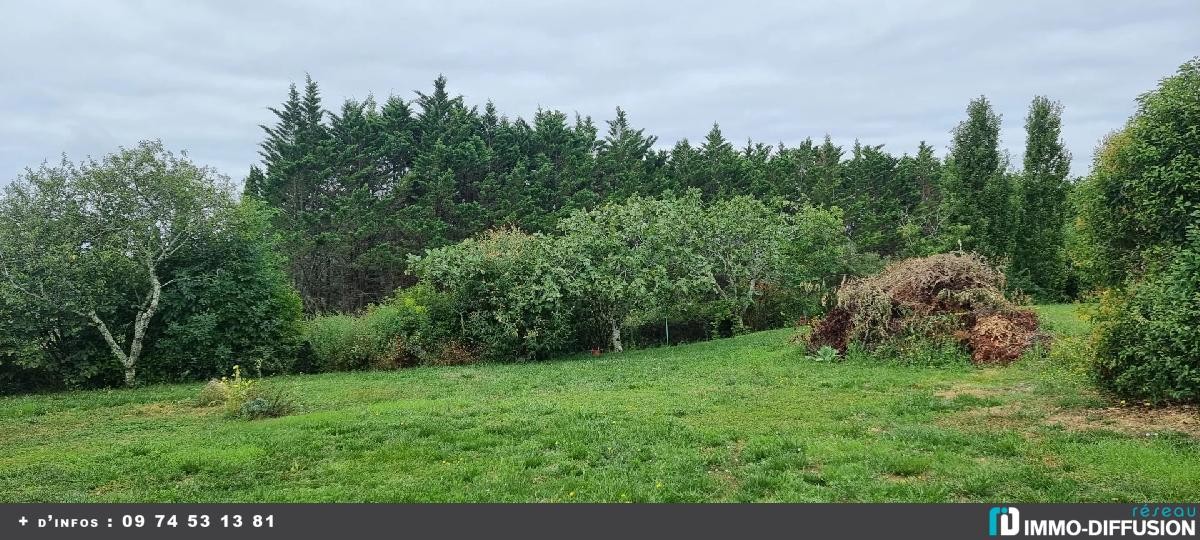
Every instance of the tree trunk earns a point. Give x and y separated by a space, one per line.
140 324
740 320
114 347
616 336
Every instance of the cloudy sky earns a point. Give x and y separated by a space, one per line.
86 77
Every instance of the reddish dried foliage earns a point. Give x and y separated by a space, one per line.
949 295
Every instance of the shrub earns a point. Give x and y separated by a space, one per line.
503 294
655 267
394 332
1147 343
333 340
390 335
243 310
1144 188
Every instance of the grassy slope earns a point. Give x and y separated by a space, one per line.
732 420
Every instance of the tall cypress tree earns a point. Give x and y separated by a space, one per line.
296 162
978 193
873 198
826 185
790 170
1038 258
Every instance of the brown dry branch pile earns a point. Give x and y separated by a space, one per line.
952 295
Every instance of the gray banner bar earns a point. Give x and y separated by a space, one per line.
531 521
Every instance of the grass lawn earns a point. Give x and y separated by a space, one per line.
744 419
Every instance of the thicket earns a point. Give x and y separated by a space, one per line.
649 271
1139 224
138 267
432 231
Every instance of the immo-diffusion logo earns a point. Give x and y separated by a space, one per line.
1144 520
1004 521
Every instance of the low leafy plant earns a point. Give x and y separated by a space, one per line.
216 392
916 351
824 354
238 389
246 398
266 402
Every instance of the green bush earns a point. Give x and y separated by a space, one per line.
1144 189
1147 342
242 310
390 335
635 272
334 340
1139 233
501 295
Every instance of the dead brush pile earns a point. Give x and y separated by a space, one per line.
949 296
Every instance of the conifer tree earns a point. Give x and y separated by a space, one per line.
1038 256
622 166
924 228
722 174
978 193
874 199
825 184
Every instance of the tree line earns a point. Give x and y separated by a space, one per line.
359 189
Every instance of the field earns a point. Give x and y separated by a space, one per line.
743 419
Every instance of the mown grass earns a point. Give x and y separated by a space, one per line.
744 419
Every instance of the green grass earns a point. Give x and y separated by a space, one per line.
744 419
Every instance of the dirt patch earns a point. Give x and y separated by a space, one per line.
1131 420
159 409
1024 416
982 392
1008 417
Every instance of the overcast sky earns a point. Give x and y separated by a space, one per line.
86 77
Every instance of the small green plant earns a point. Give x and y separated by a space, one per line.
238 389
216 392
824 354
246 398
267 402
